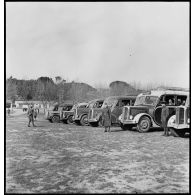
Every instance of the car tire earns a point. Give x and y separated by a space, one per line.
55 119
84 120
144 124
70 120
177 132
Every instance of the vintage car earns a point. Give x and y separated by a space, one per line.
179 123
24 108
66 116
81 114
116 104
54 112
146 112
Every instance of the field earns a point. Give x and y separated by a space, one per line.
61 158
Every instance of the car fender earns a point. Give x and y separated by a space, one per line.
82 115
138 116
120 117
98 116
171 121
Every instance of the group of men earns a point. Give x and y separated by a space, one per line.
32 115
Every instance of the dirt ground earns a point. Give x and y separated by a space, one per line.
60 158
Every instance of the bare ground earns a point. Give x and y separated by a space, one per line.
60 158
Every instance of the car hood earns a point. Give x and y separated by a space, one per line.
134 110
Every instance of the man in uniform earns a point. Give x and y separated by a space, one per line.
106 118
164 118
30 114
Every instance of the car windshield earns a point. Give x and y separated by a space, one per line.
109 101
146 100
74 106
90 104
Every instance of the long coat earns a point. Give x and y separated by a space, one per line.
106 117
164 116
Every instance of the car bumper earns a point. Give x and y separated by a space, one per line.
180 126
94 120
127 122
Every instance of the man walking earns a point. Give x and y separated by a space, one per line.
164 118
30 114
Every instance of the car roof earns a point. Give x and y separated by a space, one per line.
122 97
65 104
82 103
95 100
164 92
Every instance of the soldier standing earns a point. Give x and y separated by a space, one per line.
35 113
106 117
164 118
30 114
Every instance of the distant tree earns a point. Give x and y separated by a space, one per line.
58 79
122 88
11 91
46 90
119 88
45 79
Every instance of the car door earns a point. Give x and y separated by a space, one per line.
158 109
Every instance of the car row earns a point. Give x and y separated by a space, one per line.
142 111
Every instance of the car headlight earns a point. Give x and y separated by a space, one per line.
188 121
120 117
130 117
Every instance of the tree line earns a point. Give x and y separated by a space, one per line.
46 89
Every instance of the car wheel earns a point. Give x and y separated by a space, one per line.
70 120
177 132
84 120
144 124
55 119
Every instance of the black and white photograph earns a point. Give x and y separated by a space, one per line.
97 97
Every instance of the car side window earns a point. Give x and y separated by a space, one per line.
55 108
125 103
100 104
181 100
170 100
132 102
162 98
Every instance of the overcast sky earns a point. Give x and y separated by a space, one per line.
146 42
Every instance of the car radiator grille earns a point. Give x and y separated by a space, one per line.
180 116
